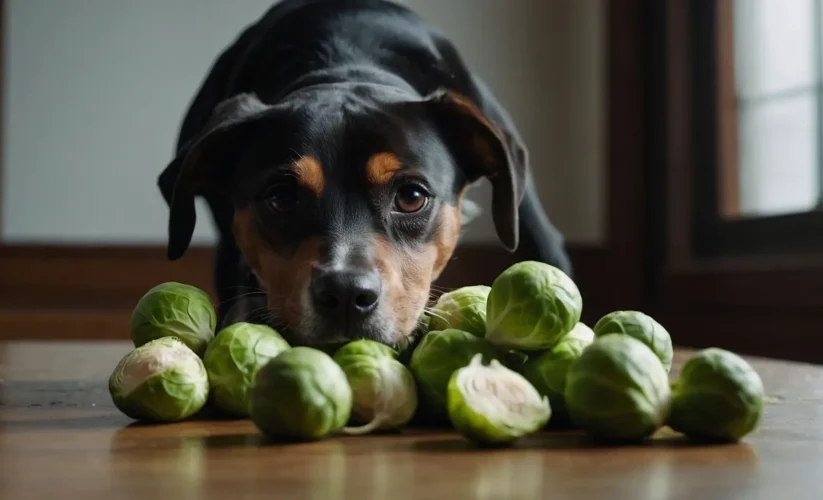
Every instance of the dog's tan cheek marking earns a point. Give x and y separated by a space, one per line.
406 279
408 274
283 278
446 237
297 272
309 174
380 168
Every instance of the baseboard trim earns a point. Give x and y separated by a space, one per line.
84 293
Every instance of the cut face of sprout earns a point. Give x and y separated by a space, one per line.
493 404
499 393
435 360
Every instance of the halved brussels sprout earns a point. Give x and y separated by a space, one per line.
642 327
718 397
384 392
491 404
232 361
618 389
461 309
301 394
439 354
531 306
174 310
161 381
547 370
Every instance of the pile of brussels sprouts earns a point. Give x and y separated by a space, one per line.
496 363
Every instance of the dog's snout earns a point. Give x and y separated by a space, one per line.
345 294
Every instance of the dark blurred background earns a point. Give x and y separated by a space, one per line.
676 143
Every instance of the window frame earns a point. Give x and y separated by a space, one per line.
714 147
744 292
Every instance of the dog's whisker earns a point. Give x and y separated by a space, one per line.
433 313
237 297
234 288
436 315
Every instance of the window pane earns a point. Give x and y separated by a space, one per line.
778 156
774 46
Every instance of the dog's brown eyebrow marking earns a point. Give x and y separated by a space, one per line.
381 167
309 174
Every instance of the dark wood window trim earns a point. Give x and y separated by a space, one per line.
783 235
727 111
755 296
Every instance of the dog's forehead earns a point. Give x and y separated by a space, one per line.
347 93
346 140
345 126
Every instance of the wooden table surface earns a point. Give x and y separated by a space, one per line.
60 437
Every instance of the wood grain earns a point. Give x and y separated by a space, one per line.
60 437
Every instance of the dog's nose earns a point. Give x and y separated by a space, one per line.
345 294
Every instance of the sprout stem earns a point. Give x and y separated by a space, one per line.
367 428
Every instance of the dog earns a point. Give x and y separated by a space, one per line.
333 142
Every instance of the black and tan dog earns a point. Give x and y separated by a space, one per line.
333 142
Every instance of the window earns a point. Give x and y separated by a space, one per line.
755 70
770 105
726 146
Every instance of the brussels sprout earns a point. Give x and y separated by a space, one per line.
461 309
531 306
642 327
174 310
547 371
365 347
618 389
439 354
301 394
161 381
232 361
383 390
580 332
491 404
718 397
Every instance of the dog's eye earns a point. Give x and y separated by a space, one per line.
282 197
410 199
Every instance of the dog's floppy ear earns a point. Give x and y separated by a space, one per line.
200 163
484 149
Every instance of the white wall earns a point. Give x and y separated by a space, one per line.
95 91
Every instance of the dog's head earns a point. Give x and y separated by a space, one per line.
346 199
